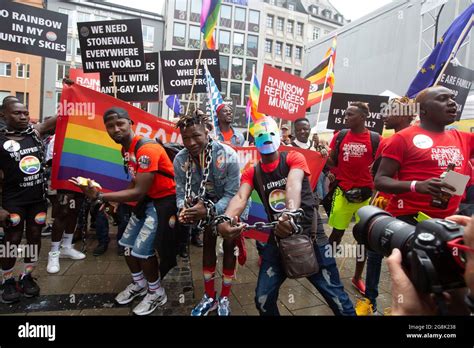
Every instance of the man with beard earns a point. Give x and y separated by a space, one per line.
224 130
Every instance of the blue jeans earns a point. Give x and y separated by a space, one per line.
102 228
320 188
327 281
372 277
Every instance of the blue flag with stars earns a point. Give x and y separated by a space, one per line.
174 104
426 77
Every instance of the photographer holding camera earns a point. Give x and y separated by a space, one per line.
405 298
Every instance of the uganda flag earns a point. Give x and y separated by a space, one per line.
322 78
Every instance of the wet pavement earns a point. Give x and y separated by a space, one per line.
89 286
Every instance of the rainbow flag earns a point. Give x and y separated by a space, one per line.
252 104
322 77
209 15
257 214
82 146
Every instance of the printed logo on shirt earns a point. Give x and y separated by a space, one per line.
446 155
30 165
277 200
40 218
353 150
144 162
422 141
15 219
11 146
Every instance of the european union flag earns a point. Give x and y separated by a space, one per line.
440 55
173 103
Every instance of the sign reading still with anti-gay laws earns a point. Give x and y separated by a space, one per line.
114 46
32 30
179 67
137 86
282 95
341 101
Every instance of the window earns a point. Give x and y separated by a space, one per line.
236 93
58 98
326 32
148 33
179 34
224 66
316 33
288 50
63 71
21 97
280 23
289 26
298 51
270 21
277 67
299 29
254 21
194 37
291 7
224 41
252 46
226 16
224 92
327 13
100 18
246 93
69 46
272 2
70 22
238 44
251 64
239 22
237 68
23 71
180 9
78 48
195 15
297 73
83 17
278 48
288 70
268 46
5 69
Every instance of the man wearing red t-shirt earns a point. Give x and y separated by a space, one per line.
355 183
155 190
418 155
281 181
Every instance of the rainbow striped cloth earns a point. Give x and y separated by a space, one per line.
209 15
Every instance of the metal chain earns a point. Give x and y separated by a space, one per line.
189 198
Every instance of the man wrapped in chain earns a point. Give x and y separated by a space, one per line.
207 176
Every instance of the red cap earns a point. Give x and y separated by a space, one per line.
220 107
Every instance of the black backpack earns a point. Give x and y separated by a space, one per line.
171 149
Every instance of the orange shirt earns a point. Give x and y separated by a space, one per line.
152 158
228 135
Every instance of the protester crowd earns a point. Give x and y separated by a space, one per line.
194 192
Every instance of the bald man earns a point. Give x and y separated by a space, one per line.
418 155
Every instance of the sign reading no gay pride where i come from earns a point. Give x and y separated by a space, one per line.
282 95
32 30
112 46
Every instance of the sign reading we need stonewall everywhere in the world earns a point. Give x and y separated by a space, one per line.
32 30
112 46
137 86
282 95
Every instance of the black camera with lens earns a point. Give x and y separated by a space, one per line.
431 251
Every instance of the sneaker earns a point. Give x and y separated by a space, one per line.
133 290
47 231
207 304
151 301
100 249
183 251
71 253
364 307
359 285
10 292
223 307
28 286
53 262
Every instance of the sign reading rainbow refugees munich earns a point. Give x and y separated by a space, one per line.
83 147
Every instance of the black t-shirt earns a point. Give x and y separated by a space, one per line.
20 161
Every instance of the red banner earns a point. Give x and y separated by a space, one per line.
89 80
283 95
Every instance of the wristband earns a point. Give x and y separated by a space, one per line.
413 186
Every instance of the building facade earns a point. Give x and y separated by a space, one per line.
20 75
82 11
